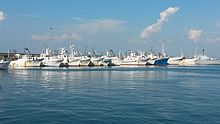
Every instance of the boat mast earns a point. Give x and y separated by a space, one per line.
163 51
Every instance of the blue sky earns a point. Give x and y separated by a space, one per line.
111 24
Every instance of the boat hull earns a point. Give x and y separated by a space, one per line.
133 63
162 61
74 63
159 61
174 61
85 63
97 62
4 64
188 62
28 63
51 64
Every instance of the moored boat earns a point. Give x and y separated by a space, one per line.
175 60
26 60
188 61
50 60
133 59
205 60
4 64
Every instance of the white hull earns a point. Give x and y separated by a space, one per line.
52 63
133 63
74 63
174 60
151 61
4 64
188 62
116 61
25 63
97 62
85 63
207 62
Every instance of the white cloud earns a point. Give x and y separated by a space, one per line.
77 18
149 30
213 40
100 25
194 35
82 30
53 37
2 16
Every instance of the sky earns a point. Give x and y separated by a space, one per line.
184 26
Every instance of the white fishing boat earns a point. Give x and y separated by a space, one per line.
175 60
64 56
97 61
205 60
106 61
76 59
74 62
26 60
116 61
134 60
4 64
112 58
188 61
52 61
49 59
85 61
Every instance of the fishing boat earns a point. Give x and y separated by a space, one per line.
64 56
85 61
115 60
161 59
109 59
76 59
26 60
188 61
157 61
175 60
50 60
133 59
205 60
4 64
97 61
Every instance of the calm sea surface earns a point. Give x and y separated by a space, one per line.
116 95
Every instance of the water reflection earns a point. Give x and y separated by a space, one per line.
106 78
132 94
48 77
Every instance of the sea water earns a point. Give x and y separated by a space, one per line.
111 95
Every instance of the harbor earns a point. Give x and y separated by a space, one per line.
74 58
109 62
